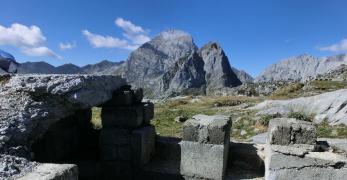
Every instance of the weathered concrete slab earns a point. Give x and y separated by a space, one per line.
115 144
168 148
116 170
124 116
206 161
207 129
143 145
52 172
285 131
339 145
304 166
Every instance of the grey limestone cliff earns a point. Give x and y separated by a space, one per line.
301 68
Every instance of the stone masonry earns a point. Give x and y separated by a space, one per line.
204 147
292 152
127 140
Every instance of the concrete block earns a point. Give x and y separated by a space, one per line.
205 161
111 153
116 137
49 171
143 145
138 95
117 170
207 129
148 112
168 148
115 144
121 98
285 131
298 162
124 116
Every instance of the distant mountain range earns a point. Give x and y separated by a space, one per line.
169 64
301 68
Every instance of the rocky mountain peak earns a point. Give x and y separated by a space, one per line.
217 67
155 57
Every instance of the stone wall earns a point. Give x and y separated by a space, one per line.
127 139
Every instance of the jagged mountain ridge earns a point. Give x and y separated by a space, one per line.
168 64
301 68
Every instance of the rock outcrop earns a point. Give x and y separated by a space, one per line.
218 70
301 68
331 106
186 76
29 104
243 76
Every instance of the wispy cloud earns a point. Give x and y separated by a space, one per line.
133 37
30 40
340 46
40 51
128 26
99 41
67 46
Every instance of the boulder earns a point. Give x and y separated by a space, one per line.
29 104
330 106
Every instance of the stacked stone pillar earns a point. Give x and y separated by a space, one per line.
204 148
127 139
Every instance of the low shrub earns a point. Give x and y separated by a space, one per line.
264 120
301 116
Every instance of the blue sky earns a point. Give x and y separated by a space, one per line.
253 33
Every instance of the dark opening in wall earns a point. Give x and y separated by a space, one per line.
73 140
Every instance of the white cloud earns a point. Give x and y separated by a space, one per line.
20 35
28 39
340 46
137 38
40 51
128 26
67 46
134 36
99 41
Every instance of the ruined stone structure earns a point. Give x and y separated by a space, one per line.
46 130
46 133
293 153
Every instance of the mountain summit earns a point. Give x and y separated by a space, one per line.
171 63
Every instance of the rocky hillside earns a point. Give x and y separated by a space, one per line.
330 106
301 68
